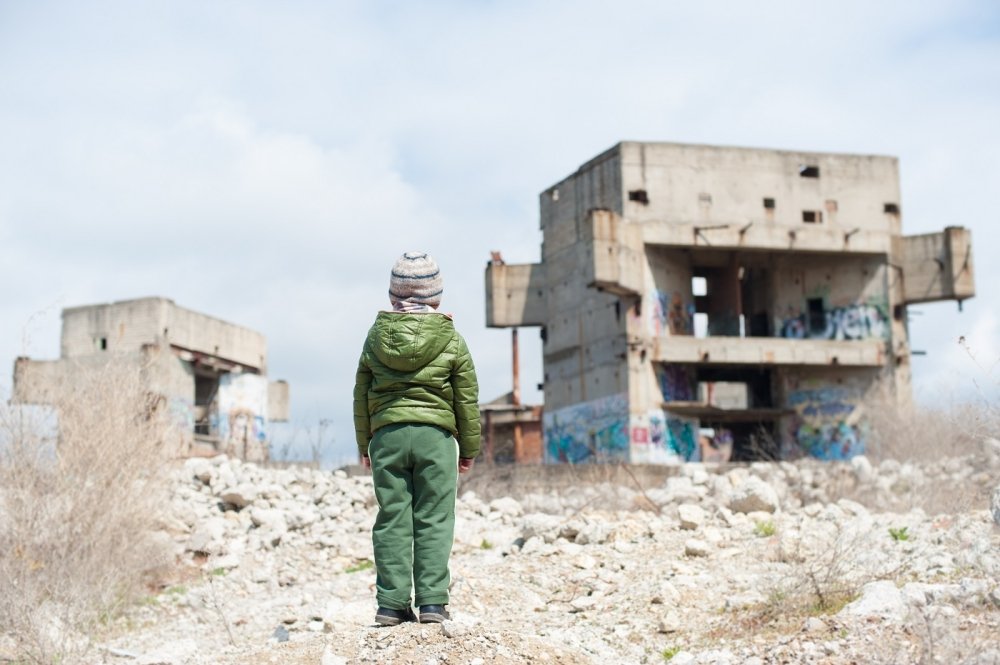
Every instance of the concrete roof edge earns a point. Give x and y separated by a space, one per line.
613 151
126 301
758 149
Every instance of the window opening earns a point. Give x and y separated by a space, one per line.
892 208
699 286
639 196
817 316
104 344
812 216
769 203
700 324
809 171
206 385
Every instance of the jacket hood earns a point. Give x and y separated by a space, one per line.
407 342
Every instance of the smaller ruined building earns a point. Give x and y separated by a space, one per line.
210 374
717 303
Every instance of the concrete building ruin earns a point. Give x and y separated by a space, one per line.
701 302
210 374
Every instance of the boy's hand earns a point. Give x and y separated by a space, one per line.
366 461
465 464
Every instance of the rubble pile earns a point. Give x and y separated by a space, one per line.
752 564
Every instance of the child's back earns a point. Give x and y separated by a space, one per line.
415 390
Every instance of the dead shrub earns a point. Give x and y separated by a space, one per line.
81 487
905 431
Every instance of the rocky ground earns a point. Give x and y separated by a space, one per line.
769 563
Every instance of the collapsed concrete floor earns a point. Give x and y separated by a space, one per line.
761 564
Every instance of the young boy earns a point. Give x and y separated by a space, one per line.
415 390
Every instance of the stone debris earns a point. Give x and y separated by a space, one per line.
696 547
587 575
692 516
881 600
753 495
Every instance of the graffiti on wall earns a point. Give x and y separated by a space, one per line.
677 383
181 413
669 313
662 438
859 321
241 418
824 424
681 436
594 431
716 445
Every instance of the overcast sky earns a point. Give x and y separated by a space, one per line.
266 162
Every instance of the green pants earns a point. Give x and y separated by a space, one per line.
415 471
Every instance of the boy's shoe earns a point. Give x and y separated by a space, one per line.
390 617
433 614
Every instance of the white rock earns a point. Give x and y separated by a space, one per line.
878 599
208 537
507 506
667 594
753 495
695 547
331 658
853 508
544 526
200 468
453 629
593 533
814 625
670 623
691 516
862 468
179 651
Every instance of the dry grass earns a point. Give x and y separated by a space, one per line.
907 431
78 502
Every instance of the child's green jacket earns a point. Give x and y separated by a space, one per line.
416 368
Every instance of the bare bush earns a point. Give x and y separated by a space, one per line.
81 486
902 430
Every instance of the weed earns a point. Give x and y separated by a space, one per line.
364 565
485 545
831 603
670 652
81 488
899 534
219 572
764 529
177 590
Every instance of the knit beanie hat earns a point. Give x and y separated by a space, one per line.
416 278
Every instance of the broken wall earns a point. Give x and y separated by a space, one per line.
827 406
593 431
240 416
129 325
841 298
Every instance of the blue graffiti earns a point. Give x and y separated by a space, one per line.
595 431
851 322
822 425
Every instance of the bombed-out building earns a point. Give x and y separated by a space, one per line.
699 302
210 374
